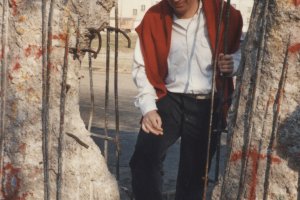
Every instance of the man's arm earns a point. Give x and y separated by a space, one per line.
146 99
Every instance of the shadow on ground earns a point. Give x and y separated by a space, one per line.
127 142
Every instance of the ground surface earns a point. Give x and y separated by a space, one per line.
129 117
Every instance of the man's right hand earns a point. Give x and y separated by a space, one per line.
151 123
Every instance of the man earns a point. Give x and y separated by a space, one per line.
173 73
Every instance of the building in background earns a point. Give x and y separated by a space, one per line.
245 6
131 12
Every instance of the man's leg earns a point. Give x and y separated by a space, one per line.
190 181
147 161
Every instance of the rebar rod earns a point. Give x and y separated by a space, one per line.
252 29
122 32
116 91
257 164
104 137
221 95
276 116
78 140
252 93
106 93
3 83
94 32
235 103
45 102
214 64
63 95
298 195
226 27
91 88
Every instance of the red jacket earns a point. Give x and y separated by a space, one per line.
155 37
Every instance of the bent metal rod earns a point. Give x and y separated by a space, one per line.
215 60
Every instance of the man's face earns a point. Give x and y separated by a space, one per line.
184 8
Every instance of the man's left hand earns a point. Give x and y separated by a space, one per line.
226 64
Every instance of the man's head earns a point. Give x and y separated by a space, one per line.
184 8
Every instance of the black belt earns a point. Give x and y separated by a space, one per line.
196 96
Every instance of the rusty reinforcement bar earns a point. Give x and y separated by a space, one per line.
3 83
214 64
116 92
93 33
46 49
63 94
276 119
222 101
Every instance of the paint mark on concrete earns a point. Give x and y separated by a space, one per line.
33 50
27 51
296 2
39 53
254 156
253 153
16 67
60 36
14 7
295 47
11 181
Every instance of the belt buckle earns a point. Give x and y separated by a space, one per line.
202 96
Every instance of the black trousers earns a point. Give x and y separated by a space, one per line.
183 117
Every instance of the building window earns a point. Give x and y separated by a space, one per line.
134 12
143 7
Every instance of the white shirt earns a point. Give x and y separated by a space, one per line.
189 62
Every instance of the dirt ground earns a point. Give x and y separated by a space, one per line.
129 118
